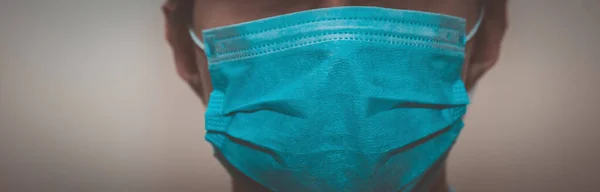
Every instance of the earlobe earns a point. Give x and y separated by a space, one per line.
183 48
484 56
487 43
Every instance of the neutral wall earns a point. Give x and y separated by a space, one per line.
535 121
90 101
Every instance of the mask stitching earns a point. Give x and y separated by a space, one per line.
232 56
439 25
401 37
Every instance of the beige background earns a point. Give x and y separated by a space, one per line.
90 101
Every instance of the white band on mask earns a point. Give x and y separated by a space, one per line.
195 38
473 31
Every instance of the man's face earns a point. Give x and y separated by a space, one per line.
481 52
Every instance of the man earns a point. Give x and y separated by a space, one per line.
255 42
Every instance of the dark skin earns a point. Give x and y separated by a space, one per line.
481 53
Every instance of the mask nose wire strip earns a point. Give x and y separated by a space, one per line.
476 26
469 36
195 38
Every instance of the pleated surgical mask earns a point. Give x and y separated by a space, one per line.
337 99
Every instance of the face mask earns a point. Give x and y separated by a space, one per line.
337 99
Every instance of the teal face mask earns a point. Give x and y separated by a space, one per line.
337 99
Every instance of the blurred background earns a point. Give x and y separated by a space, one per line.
90 101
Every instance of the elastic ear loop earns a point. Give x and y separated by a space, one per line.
476 26
195 38
470 36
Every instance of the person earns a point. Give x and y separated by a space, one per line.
334 95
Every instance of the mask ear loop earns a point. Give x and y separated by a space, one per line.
476 26
195 38
471 35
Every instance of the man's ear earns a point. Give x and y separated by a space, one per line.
178 16
177 36
487 42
